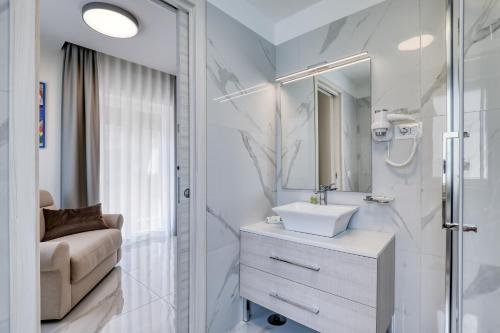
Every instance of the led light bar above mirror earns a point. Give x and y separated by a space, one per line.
323 67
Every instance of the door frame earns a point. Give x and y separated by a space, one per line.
23 167
23 164
453 172
196 10
327 88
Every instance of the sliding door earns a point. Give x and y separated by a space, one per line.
480 115
182 171
471 181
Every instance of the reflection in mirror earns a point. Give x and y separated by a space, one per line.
326 138
298 153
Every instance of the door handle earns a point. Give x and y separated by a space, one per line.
447 183
311 308
469 228
295 263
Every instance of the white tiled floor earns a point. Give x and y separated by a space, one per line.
138 296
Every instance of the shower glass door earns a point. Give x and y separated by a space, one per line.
479 114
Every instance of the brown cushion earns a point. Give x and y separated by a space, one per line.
46 201
88 249
63 222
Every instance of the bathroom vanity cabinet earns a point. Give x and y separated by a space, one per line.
339 284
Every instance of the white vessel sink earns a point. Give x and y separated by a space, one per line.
328 220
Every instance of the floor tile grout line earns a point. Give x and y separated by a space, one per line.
148 303
140 306
134 310
148 287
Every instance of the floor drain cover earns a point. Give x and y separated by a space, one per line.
276 320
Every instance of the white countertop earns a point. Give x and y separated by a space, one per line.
355 241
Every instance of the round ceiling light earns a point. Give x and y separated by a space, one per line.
110 20
416 43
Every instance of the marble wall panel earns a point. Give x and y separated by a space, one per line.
407 82
244 149
241 172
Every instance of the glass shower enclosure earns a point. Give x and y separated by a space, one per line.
471 167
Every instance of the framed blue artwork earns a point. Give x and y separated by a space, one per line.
41 125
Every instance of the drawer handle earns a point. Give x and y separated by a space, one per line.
311 308
292 262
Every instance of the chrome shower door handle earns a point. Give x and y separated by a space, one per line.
447 182
469 228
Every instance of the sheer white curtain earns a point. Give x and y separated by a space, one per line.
137 146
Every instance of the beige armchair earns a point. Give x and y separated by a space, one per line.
71 266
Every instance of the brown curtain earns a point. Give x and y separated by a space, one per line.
80 128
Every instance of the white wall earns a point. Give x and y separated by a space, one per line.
4 166
51 61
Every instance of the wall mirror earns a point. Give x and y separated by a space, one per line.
326 126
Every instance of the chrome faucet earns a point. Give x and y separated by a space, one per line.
323 193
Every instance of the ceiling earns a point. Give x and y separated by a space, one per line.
280 9
281 20
154 46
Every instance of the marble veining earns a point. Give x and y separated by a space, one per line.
487 280
375 29
437 84
227 82
428 218
226 224
399 220
334 29
268 54
249 143
293 150
241 171
480 29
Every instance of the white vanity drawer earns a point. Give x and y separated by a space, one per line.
314 308
347 275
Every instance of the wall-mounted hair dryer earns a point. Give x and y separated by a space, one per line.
383 131
381 127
